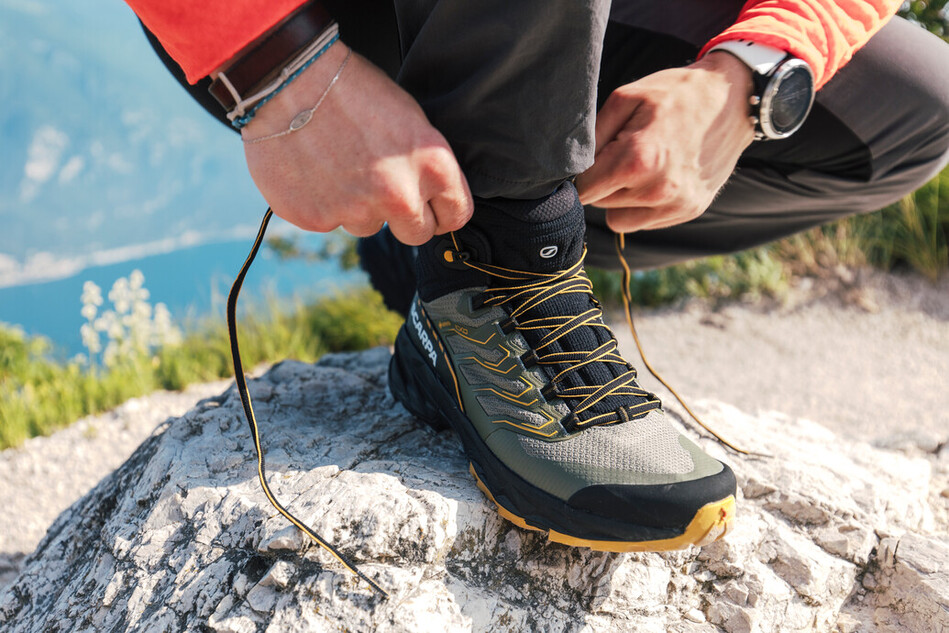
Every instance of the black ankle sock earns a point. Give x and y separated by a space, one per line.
542 235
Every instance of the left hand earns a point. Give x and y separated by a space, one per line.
666 144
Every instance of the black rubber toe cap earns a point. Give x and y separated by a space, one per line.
666 506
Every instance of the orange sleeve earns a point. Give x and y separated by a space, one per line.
203 34
823 33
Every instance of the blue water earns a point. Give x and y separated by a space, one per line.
101 149
192 282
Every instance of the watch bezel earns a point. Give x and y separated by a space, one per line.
775 80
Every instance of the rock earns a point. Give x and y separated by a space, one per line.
911 584
181 536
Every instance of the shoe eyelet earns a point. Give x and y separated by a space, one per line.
507 326
452 257
549 391
571 423
528 359
476 302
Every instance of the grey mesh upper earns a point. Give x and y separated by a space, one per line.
464 347
476 374
449 304
647 445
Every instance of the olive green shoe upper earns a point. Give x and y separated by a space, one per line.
537 436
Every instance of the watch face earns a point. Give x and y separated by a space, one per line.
787 99
792 100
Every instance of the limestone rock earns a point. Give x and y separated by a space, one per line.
182 538
911 584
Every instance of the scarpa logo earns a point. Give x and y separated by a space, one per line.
423 336
548 251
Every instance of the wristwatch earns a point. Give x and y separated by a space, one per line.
783 87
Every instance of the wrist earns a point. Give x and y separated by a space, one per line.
260 63
730 71
783 87
297 96
733 78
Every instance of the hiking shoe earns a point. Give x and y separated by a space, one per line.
558 433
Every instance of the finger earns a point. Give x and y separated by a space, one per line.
414 229
657 192
363 229
666 221
618 109
449 196
305 218
613 169
628 198
634 218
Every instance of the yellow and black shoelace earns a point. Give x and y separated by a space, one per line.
526 291
522 292
241 382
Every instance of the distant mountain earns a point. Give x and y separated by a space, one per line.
99 147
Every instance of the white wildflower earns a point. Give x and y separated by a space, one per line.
91 294
164 332
110 323
90 338
120 295
111 353
132 327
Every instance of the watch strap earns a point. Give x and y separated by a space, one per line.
264 61
765 62
760 58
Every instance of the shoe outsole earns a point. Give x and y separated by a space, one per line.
711 522
413 382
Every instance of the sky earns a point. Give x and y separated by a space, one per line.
102 156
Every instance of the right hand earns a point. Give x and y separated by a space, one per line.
368 156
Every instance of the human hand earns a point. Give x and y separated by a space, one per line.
368 156
666 144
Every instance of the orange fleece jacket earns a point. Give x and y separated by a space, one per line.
202 35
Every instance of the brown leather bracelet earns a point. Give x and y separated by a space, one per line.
262 63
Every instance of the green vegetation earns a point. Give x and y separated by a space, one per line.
338 245
912 234
144 351
39 394
930 14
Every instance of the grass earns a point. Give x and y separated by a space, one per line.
912 234
39 394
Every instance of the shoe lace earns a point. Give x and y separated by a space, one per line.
620 244
525 292
241 383
522 294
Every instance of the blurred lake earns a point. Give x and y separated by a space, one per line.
106 166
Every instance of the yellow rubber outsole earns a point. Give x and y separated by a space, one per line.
710 523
